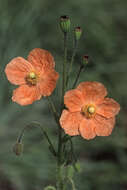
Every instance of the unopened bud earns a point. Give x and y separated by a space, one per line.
65 23
77 33
85 59
18 148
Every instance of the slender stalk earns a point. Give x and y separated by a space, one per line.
53 110
72 183
77 77
60 185
73 154
42 130
72 60
21 135
64 67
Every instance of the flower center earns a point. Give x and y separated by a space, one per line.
89 110
32 75
31 78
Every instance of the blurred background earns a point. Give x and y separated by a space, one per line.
27 24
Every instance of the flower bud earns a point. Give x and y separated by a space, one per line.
18 148
65 23
77 33
85 59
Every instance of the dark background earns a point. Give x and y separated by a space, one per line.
27 24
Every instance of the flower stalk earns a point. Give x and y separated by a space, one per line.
72 60
64 66
44 133
78 75
53 110
77 36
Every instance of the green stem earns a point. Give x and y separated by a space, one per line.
72 60
60 185
77 77
72 183
64 67
72 150
42 130
53 110
59 145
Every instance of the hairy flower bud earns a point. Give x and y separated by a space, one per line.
77 33
18 148
85 59
65 23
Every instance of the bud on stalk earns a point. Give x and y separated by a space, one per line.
77 33
65 23
85 59
18 148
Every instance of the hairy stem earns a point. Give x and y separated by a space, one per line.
59 185
53 110
36 124
64 67
72 60
77 77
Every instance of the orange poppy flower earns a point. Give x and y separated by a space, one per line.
89 112
36 76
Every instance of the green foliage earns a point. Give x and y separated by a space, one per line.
25 25
50 188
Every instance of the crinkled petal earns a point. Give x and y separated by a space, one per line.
87 129
70 122
25 95
74 100
104 126
108 108
17 70
48 82
41 59
93 92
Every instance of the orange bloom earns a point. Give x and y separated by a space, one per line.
36 76
89 112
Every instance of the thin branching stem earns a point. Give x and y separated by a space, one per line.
53 110
64 67
60 184
77 77
71 62
36 124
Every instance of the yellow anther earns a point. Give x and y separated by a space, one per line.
91 109
32 78
32 75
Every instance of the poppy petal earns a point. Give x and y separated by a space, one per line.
17 70
108 108
70 122
104 126
41 59
48 82
74 100
93 92
25 95
87 129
